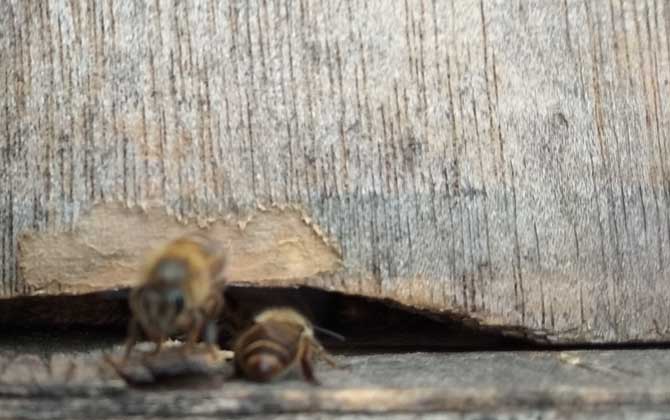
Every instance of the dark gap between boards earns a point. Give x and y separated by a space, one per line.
370 325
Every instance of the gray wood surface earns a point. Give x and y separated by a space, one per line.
501 159
539 385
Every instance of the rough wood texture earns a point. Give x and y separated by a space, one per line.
541 385
502 159
109 245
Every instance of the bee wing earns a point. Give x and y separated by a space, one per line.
306 347
219 262
215 251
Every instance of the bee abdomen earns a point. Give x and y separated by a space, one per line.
263 367
262 360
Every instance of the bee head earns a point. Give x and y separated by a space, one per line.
175 298
170 272
161 307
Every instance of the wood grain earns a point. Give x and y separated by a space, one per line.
621 384
507 160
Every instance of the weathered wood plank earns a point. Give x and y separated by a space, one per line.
507 160
554 384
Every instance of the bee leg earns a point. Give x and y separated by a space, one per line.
158 341
212 337
214 305
327 357
196 328
305 358
133 332
323 354
212 311
308 370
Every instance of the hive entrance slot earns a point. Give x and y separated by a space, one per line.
369 325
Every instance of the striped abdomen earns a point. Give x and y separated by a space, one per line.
266 351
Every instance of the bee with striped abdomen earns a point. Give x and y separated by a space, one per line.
280 341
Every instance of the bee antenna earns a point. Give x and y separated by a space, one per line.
329 332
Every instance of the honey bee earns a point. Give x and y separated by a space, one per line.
279 340
180 292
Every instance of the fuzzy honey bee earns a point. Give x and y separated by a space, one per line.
180 293
280 341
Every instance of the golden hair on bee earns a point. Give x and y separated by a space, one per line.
180 292
287 315
280 341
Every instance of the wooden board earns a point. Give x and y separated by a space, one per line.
502 160
548 385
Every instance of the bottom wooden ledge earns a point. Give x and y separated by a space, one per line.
553 384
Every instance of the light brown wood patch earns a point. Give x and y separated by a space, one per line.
107 247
